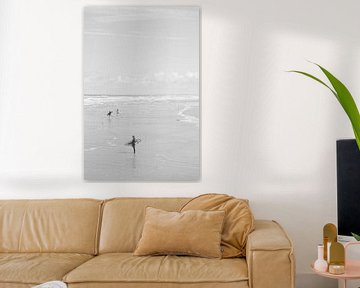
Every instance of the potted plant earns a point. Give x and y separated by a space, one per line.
343 95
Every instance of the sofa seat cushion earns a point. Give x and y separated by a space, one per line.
125 267
242 284
36 268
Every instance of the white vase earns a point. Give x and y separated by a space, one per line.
320 264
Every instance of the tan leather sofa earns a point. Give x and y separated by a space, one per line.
89 243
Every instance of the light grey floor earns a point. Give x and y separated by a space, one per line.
314 281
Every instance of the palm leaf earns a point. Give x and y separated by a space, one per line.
347 102
316 79
344 97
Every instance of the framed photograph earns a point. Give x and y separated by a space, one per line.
141 70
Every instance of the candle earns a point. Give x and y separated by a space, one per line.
336 269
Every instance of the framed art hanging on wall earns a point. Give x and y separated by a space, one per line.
141 93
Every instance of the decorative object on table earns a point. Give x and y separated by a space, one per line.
329 237
141 83
337 258
344 97
320 264
334 251
51 284
336 269
351 268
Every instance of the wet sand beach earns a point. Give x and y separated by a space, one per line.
168 127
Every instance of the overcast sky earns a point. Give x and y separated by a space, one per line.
141 50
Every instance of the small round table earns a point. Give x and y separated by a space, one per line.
352 269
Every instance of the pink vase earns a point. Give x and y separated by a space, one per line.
320 264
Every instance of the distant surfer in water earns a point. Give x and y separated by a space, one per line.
133 142
109 113
117 111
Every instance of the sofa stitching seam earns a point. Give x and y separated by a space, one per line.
98 228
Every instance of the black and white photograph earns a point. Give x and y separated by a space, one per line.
141 69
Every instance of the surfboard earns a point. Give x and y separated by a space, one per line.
138 140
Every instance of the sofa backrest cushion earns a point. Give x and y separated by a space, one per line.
66 226
239 220
123 220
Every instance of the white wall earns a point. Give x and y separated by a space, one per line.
267 135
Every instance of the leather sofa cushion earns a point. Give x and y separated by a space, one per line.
63 226
123 220
36 268
194 232
236 284
15 285
126 268
239 220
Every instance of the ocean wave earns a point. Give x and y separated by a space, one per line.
91 149
103 99
186 117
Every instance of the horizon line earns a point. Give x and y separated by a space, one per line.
164 94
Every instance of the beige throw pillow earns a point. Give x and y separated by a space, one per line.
239 220
193 232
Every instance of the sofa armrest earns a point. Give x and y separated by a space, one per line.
269 256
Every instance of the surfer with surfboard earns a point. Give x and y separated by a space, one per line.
133 142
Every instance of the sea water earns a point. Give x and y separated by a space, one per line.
168 127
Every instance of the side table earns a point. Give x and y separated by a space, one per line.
352 268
